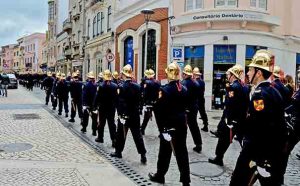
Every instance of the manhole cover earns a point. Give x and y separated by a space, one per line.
216 117
15 147
205 169
26 116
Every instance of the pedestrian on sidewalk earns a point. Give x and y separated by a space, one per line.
4 83
171 120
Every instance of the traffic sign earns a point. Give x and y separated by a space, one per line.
178 53
110 57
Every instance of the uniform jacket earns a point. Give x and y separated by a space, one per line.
192 87
150 91
89 93
106 98
62 89
283 90
48 83
76 90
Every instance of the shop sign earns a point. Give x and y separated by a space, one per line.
178 53
76 63
224 53
298 59
194 52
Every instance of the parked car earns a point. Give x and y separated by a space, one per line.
13 81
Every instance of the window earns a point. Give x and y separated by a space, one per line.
151 51
220 3
51 11
128 51
94 27
261 4
108 18
79 35
88 29
102 19
193 4
98 23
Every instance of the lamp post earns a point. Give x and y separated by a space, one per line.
147 15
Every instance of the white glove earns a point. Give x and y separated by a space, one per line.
84 107
95 111
167 136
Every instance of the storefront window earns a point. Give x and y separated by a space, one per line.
194 56
99 63
128 51
151 51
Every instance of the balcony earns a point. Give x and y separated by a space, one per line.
68 53
67 25
94 4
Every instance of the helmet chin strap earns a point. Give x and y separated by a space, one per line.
251 82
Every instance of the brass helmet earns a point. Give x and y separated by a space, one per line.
107 75
173 71
115 75
49 74
75 75
188 70
62 76
58 74
196 71
277 72
263 60
91 75
237 70
78 72
100 75
149 73
127 70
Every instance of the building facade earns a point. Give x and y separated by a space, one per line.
99 37
8 57
16 66
130 27
214 35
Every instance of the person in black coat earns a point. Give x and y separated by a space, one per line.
76 96
48 84
171 120
128 113
234 115
265 129
192 106
62 91
88 96
106 103
150 94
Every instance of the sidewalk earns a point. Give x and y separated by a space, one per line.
36 149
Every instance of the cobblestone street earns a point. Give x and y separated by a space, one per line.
64 159
36 149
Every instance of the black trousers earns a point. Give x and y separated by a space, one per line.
178 146
201 105
194 128
224 140
48 93
76 105
63 102
54 101
242 173
85 121
109 116
147 115
132 123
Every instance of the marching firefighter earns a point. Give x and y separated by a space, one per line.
192 106
171 120
88 96
283 90
201 99
150 94
76 96
62 91
53 93
106 102
116 78
234 115
128 113
48 84
265 130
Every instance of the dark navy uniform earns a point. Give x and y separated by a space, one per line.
201 102
47 84
88 96
62 91
234 115
192 110
283 90
54 94
128 110
106 103
76 102
171 118
265 136
150 94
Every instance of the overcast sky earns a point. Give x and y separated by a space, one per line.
20 17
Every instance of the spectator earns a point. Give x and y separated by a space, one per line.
4 83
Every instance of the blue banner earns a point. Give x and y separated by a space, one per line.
194 52
225 54
298 59
251 49
128 51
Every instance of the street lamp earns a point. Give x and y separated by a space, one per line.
147 15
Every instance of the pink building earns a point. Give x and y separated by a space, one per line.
216 34
33 48
7 57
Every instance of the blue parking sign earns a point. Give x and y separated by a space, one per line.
177 53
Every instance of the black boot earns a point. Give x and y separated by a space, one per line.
72 120
83 130
216 161
142 131
198 148
67 115
116 155
216 133
205 128
99 140
113 143
94 133
156 178
143 159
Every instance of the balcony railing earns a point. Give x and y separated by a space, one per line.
67 25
